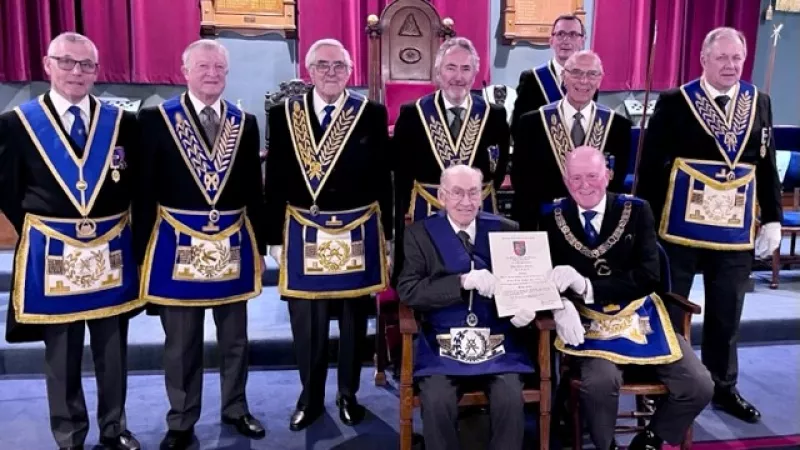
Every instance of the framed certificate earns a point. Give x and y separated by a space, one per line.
521 262
249 17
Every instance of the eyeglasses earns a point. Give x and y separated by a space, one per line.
562 35
590 74
324 67
206 67
68 64
459 194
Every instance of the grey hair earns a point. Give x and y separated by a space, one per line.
584 54
206 44
456 42
77 38
311 55
460 169
721 32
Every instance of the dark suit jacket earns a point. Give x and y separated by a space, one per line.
536 176
530 97
414 160
673 131
361 176
633 260
424 284
28 186
168 181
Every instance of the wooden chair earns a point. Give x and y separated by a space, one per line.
409 400
403 43
790 224
639 388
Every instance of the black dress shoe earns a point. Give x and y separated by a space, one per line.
125 441
177 440
247 425
72 447
646 440
732 402
350 412
303 417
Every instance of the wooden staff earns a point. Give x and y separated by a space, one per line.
648 83
776 33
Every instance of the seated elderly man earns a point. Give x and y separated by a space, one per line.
604 250
447 278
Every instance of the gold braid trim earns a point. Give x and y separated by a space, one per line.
559 140
333 144
189 141
226 144
302 142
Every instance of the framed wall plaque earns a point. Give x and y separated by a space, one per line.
532 20
787 5
249 17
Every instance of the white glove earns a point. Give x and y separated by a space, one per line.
482 280
568 324
768 240
523 317
566 277
276 251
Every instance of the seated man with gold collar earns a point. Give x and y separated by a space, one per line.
447 279
605 257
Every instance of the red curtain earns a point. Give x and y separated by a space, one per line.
346 20
26 29
139 41
622 39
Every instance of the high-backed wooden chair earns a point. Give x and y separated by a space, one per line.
637 386
532 393
403 43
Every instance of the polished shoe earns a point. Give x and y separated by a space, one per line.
732 402
247 425
303 417
125 441
646 440
350 412
177 440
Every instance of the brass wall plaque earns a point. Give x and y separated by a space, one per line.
787 5
249 17
532 20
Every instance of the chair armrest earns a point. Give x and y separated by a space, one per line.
408 323
544 321
682 302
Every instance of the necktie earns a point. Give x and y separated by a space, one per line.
577 133
588 228
326 119
455 124
78 131
208 119
722 102
464 236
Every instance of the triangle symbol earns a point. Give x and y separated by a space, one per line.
410 27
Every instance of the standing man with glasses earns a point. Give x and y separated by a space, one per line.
548 135
446 128
709 157
68 168
544 84
200 237
329 221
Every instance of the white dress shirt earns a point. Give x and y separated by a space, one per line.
557 68
62 106
198 105
569 114
597 221
447 105
731 93
470 229
320 104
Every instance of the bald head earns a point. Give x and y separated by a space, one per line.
586 176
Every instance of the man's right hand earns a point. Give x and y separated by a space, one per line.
482 280
276 251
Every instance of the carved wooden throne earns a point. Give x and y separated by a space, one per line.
402 47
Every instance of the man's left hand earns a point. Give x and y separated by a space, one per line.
566 277
768 240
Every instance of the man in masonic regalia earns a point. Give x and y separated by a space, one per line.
708 159
605 258
199 237
329 219
68 168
